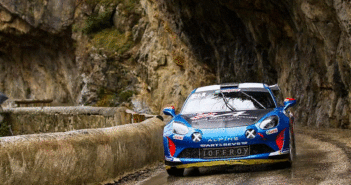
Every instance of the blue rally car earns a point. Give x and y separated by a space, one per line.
229 124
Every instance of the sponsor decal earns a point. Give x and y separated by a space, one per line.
196 137
237 114
250 133
214 116
202 115
171 107
230 90
238 151
224 139
178 137
168 158
198 96
223 144
248 117
272 131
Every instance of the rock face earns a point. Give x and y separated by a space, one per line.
49 15
308 44
154 53
36 52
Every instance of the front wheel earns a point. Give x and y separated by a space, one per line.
292 150
175 171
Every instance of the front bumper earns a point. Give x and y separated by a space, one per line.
228 162
268 158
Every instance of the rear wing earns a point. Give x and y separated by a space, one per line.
274 87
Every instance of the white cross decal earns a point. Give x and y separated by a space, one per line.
250 134
197 137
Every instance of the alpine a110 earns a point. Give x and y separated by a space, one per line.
229 124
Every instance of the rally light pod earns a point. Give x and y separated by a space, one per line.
289 102
170 111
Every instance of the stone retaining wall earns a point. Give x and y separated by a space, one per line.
34 120
86 156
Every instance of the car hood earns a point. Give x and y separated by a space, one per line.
224 119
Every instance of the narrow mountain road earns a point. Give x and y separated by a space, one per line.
323 157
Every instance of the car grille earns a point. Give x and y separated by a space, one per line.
254 149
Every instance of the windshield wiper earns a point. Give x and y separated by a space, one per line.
252 98
227 104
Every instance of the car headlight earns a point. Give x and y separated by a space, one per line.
179 128
269 122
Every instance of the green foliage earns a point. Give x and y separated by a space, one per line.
101 92
98 22
113 40
101 2
4 129
130 5
76 28
107 100
125 96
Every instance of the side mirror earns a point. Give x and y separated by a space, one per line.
170 111
289 102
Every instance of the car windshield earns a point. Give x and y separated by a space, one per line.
228 100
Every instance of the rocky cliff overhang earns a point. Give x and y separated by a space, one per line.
52 16
36 50
303 45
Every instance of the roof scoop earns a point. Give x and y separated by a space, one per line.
228 85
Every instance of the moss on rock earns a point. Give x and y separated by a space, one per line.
125 96
113 40
97 22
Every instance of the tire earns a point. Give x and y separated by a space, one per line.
292 151
175 171
195 172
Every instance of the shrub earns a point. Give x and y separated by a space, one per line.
97 22
4 129
125 96
107 100
113 40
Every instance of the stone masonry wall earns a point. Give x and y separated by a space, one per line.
89 156
61 119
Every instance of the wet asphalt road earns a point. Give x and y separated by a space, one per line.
323 157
